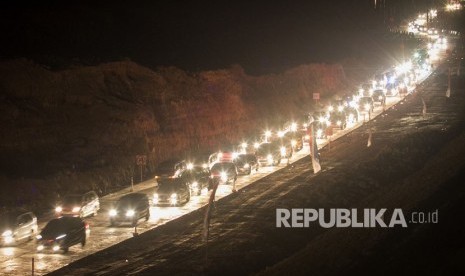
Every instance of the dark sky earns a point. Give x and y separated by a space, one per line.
262 36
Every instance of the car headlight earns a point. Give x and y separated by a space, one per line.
7 233
293 126
58 209
130 213
246 166
39 237
223 176
112 213
155 198
283 151
174 198
56 248
76 209
40 247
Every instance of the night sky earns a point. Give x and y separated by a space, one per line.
262 36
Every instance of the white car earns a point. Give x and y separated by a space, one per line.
80 205
17 226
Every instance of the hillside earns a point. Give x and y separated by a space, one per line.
80 128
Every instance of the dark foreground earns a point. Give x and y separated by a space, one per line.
416 163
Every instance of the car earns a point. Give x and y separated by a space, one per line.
366 104
223 173
285 146
169 169
246 163
62 233
351 113
379 96
196 177
366 89
199 159
304 121
225 155
268 154
392 89
81 205
130 208
17 226
320 116
297 140
175 193
338 119
319 127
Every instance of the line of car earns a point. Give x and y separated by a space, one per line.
177 180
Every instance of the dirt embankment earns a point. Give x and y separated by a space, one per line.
81 128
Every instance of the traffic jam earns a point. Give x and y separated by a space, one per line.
82 224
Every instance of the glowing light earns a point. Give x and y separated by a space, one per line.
174 199
293 143
155 198
293 126
224 176
269 158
